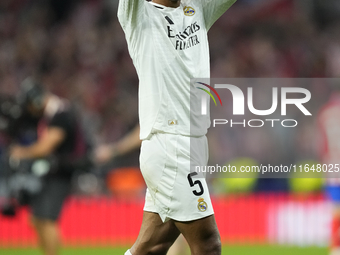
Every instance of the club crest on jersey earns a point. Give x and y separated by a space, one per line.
189 11
202 205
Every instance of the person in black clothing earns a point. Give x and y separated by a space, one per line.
57 135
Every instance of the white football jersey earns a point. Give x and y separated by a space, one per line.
169 46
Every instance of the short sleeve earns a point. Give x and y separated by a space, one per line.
61 120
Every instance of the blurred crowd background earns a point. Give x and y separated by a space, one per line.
80 48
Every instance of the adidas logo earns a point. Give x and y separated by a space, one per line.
172 122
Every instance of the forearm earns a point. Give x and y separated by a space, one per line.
43 147
32 151
128 143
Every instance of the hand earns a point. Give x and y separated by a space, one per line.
17 152
104 153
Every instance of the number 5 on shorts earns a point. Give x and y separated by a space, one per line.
193 183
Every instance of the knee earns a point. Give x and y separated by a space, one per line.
213 244
37 223
210 244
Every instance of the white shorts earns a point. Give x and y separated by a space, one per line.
173 192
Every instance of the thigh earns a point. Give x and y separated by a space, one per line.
155 237
174 192
200 234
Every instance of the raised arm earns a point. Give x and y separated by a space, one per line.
130 13
213 9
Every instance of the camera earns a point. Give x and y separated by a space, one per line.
21 179
14 118
19 118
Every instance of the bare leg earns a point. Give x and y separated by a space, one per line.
180 247
202 236
155 237
36 224
48 234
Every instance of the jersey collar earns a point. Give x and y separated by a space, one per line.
159 6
